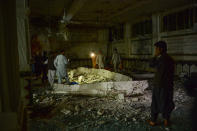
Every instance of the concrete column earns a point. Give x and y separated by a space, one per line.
156 29
127 37
103 36
127 31
23 35
9 66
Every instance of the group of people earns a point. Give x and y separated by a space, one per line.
116 60
55 63
162 92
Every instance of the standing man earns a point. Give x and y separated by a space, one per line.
162 93
51 68
116 60
44 67
60 64
38 64
93 57
100 60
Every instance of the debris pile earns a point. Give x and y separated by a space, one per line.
100 82
83 75
68 112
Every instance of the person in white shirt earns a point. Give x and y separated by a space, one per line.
60 64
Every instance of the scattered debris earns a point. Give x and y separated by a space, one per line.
135 99
120 97
100 112
83 75
76 112
65 111
77 108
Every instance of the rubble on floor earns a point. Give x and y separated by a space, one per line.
100 82
84 75
104 113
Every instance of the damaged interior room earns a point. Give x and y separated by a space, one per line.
98 65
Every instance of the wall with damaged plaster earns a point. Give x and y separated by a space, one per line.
85 41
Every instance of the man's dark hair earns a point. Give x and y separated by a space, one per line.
161 44
61 51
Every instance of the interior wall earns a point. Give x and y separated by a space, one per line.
9 71
133 47
181 43
23 35
81 41
83 50
85 41
122 45
43 38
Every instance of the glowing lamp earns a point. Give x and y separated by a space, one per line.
92 55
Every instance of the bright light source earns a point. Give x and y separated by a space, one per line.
92 55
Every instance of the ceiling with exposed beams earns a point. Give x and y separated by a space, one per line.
100 11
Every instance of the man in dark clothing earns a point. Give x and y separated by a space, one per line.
44 67
38 64
162 93
51 68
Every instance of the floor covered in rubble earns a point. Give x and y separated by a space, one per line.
58 112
